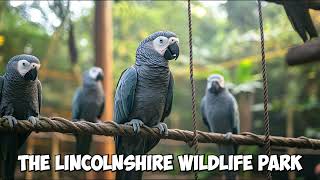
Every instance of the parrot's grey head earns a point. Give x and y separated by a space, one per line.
215 83
158 48
92 76
24 67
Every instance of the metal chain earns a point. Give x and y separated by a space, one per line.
195 140
265 90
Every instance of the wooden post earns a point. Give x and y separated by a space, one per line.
290 101
103 51
245 101
54 151
29 150
290 130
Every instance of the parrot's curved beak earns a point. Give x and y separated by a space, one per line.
172 52
215 87
99 77
31 75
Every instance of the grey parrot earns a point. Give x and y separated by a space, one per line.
88 105
20 96
299 16
220 113
144 95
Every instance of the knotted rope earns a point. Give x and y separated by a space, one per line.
193 89
109 128
265 89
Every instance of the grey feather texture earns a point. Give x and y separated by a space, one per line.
88 105
20 99
144 96
220 113
299 16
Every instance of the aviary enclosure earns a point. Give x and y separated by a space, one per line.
172 79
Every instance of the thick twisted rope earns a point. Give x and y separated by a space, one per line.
193 89
58 124
265 89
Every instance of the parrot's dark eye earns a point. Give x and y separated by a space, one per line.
24 64
161 41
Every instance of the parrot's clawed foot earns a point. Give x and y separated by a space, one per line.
136 124
12 121
228 135
98 121
163 128
33 120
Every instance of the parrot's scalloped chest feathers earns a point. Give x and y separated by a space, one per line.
217 107
151 94
90 105
19 98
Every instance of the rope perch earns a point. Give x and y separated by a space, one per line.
61 125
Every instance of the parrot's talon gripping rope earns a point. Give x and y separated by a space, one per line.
163 128
136 124
33 120
11 120
228 135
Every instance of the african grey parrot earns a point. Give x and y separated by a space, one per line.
299 16
220 113
88 105
20 99
144 95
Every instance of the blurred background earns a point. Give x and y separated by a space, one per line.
63 34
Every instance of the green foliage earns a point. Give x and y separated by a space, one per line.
244 80
20 33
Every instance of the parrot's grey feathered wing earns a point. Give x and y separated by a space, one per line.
76 105
124 97
101 108
203 112
3 149
235 124
235 116
300 19
39 87
168 106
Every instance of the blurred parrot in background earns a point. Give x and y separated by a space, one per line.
299 16
88 105
144 95
20 99
220 114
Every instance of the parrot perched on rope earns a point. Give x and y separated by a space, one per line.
299 16
144 95
88 104
20 99
220 114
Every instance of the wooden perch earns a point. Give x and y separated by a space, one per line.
305 53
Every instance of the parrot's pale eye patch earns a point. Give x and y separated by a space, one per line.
160 44
23 67
24 63
161 41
